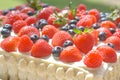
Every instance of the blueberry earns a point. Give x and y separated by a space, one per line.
45 37
30 13
8 26
45 5
5 12
71 32
65 27
5 32
73 22
41 23
112 30
102 36
56 51
34 38
81 28
102 14
77 18
96 25
67 43
72 26
111 45
103 19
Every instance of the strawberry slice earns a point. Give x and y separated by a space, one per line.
41 49
9 44
70 54
93 59
108 54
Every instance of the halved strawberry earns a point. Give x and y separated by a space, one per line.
93 59
60 37
28 30
41 49
25 44
70 54
9 44
108 54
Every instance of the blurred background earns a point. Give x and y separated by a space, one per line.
102 5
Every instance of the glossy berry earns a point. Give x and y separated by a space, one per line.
108 54
112 30
34 37
30 13
45 37
111 45
102 36
65 27
56 51
41 23
67 43
25 44
8 26
72 26
9 44
93 59
5 32
81 28
70 54
38 50
96 25
71 32
73 22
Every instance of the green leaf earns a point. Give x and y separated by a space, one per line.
77 31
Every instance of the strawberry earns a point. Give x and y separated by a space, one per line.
23 16
18 25
60 37
49 30
9 44
108 24
115 41
84 42
25 44
81 7
27 9
93 59
117 33
87 21
38 50
108 54
70 54
28 30
30 20
94 12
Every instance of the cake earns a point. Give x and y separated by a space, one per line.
59 44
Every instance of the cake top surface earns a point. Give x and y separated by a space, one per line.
79 37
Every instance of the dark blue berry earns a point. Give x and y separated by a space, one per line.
73 22
111 45
71 32
72 26
8 26
112 30
4 12
65 27
81 28
77 18
102 36
45 5
45 37
5 32
56 51
30 13
96 25
67 43
103 19
34 38
41 23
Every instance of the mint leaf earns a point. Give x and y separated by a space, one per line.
77 31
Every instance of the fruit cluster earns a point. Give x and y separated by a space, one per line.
67 34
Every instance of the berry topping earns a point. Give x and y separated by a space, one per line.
108 54
67 43
25 44
34 37
38 50
41 23
102 36
56 51
93 59
70 54
8 26
45 37
96 25
5 32
9 44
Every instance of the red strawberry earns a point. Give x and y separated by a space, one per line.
38 50
28 30
70 54
87 21
108 24
60 37
23 16
9 44
30 20
81 7
108 54
18 25
115 41
117 33
84 42
25 44
26 9
93 59
94 12
49 30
